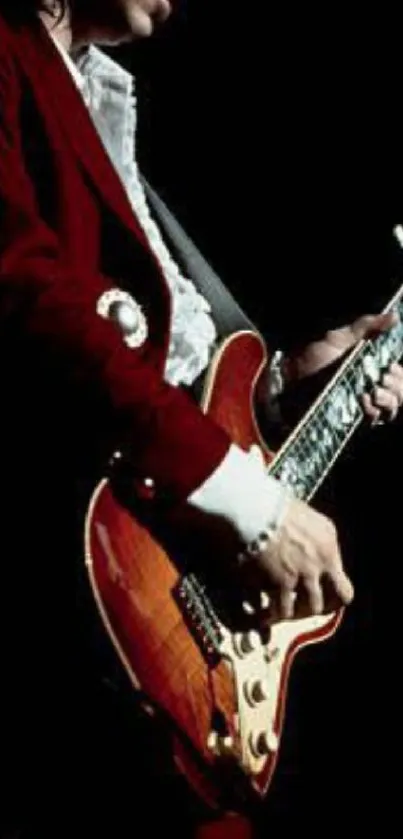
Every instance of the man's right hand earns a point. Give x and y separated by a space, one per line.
303 565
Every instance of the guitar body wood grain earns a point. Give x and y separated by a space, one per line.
133 580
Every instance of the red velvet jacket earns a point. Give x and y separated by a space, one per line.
67 234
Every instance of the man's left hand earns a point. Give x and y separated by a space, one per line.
387 397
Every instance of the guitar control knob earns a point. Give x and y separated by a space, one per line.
264 743
246 642
255 691
227 744
264 601
218 745
212 741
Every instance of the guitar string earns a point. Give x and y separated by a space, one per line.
301 448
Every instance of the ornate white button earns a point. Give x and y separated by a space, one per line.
126 316
118 305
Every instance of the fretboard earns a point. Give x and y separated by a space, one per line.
308 454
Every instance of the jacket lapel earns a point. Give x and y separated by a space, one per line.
40 57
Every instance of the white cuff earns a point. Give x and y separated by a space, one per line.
241 491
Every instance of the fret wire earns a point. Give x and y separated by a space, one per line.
296 448
307 455
326 424
321 409
350 381
304 448
331 462
329 404
303 445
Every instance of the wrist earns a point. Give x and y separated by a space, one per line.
245 494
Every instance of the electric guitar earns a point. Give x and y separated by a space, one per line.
220 687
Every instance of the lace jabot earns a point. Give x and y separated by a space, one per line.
109 93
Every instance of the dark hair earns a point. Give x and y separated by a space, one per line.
25 9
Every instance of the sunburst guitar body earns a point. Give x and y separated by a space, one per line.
222 690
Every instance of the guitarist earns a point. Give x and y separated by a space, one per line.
102 334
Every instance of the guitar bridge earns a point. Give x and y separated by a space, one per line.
200 616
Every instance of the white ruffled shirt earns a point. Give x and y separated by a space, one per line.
109 92
240 489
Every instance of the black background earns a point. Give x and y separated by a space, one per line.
275 135
277 139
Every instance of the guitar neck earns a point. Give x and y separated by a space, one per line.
308 454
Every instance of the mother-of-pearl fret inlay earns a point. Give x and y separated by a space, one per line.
306 457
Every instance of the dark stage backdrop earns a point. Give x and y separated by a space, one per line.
276 140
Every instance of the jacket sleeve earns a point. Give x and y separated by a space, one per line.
54 309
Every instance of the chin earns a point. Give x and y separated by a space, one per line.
114 38
144 30
130 24
133 32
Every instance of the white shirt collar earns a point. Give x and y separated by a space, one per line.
91 64
71 66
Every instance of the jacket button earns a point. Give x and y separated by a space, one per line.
145 489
